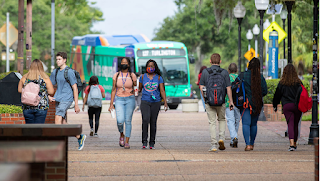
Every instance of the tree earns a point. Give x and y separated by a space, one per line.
72 18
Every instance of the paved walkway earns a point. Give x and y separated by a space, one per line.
181 152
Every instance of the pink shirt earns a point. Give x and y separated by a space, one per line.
126 81
86 91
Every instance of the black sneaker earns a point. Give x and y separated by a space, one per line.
221 145
231 144
235 142
144 145
151 145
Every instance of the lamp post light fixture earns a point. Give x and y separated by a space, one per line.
283 15
289 4
261 6
266 24
256 31
239 12
249 36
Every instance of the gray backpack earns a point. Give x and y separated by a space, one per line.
216 88
94 97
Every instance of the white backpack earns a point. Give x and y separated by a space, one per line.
94 97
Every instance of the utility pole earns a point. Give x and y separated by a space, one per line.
52 33
29 34
20 63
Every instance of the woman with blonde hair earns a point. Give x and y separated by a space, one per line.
37 114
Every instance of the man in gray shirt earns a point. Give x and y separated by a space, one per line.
213 111
65 93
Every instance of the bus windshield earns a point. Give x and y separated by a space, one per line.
173 70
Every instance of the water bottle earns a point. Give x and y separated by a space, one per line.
204 90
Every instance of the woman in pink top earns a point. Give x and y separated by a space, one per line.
96 111
123 83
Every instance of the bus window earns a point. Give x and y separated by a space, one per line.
175 70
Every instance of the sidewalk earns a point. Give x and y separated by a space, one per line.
181 152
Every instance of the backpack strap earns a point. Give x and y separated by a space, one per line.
210 71
57 69
66 75
142 78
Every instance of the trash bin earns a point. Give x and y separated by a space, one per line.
9 89
190 105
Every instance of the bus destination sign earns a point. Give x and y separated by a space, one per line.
161 52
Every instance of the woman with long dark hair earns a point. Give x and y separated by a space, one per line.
199 76
123 82
255 88
92 108
286 92
152 86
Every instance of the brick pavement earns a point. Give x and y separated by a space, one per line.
181 152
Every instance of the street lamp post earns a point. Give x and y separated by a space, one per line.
283 15
314 128
249 36
266 24
261 6
289 4
256 31
239 12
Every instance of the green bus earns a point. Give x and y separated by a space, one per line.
101 58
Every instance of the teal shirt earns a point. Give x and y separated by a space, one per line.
232 79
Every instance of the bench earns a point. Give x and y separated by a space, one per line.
44 147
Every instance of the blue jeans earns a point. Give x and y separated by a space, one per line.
204 104
233 121
249 126
35 116
124 110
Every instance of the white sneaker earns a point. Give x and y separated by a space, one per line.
96 135
212 149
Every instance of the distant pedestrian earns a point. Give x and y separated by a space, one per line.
123 93
137 94
36 114
66 93
198 83
152 87
216 79
93 97
233 116
286 92
255 88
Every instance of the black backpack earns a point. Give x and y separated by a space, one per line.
79 81
238 91
216 87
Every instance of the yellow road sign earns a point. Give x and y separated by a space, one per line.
274 26
250 54
13 34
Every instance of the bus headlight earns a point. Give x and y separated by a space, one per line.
186 90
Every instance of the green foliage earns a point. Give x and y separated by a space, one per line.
72 18
10 109
307 117
308 77
272 86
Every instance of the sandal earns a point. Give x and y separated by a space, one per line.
126 146
121 142
248 148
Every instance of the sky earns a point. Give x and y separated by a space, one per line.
133 16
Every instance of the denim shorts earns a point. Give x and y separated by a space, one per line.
62 108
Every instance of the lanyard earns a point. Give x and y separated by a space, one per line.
124 81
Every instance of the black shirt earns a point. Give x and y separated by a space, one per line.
285 94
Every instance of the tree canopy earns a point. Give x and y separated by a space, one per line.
72 18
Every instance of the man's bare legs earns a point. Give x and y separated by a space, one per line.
59 120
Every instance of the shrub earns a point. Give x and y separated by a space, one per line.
272 86
10 109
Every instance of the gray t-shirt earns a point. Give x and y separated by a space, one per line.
205 74
64 91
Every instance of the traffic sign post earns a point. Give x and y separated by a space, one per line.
13 34
250 54
274 26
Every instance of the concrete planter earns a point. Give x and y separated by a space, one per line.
190 105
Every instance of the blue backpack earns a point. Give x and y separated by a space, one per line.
94 97
238 91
